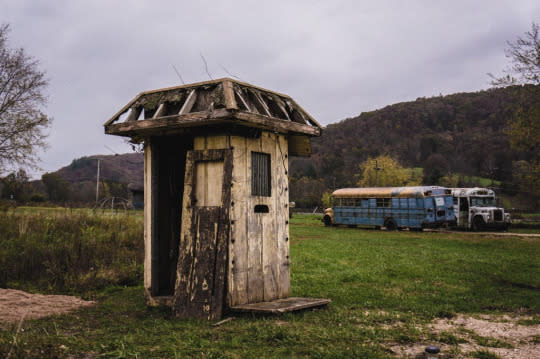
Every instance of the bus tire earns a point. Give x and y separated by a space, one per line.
390 224
478 224
327 221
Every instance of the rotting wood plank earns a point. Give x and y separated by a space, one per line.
277 123
282 216
147 217
238 263
215 117
244 102
270 260
279 306
255 280
188 105
261 102
134 114
202 266
159 111
228 92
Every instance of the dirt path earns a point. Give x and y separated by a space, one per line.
504 336
16 305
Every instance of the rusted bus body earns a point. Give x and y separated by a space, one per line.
476 209
392 207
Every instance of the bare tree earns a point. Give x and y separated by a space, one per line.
22 98
524 55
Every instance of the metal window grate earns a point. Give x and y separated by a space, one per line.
260 174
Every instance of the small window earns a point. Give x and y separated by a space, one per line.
260 174
384 202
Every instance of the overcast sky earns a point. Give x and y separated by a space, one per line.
335 58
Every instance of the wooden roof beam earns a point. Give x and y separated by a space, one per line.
190 101
159 111
261 102
204 118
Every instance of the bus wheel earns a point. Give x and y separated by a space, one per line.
390 225
477 224
327 221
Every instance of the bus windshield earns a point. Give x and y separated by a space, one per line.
483 201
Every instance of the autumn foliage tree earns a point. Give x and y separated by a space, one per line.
22 98
384 171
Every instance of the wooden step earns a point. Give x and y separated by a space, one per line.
281 305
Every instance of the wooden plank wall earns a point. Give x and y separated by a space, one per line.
149 206
258 248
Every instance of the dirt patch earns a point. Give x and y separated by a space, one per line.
500 335
16 305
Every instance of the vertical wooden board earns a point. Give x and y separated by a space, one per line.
209 182
199 143
147 215
216 142
201 281
270 260
238 252
154 203
255 280
282 217
185 252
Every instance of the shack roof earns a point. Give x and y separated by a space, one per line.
386 192
223 102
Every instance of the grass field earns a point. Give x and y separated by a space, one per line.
385 287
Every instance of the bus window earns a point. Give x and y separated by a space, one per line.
357 202
420 203
372 202
395 202
365 203
428 202
403 203
412 202
384 202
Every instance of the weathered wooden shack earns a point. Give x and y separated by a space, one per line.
216 194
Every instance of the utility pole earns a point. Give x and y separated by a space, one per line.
377 169
97 182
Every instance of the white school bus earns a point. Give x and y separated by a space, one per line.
476 209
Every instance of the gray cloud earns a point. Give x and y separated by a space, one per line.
336 58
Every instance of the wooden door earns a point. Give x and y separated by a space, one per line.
202 263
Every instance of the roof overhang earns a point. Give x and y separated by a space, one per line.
223 102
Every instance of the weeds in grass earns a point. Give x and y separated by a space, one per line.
70 253
385 288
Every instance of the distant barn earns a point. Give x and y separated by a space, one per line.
216 194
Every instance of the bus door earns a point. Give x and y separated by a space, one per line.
430 209
463 215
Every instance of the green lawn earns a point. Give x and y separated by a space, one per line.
385 287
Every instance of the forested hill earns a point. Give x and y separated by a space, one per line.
460 133
463 133
125 168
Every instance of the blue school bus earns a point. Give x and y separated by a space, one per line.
392 207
